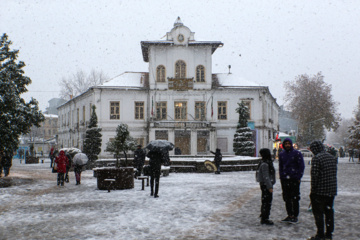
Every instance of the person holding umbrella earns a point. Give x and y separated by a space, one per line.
158 149
79 161
156 159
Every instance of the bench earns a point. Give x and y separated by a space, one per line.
110 181
238 167
143 181
183 168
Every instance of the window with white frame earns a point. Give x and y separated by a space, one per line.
139 110
200 73
114 110
160 73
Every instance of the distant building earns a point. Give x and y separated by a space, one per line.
287 123
179 100
53 104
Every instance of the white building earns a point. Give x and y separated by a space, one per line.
179 99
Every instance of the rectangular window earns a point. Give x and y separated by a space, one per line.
180 110
114 110
161 135
141 141
200 111
139 110
222 111
161 110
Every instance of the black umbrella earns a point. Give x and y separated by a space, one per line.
157 145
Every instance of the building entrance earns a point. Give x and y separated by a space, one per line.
182 141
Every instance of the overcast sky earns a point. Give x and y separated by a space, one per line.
277 39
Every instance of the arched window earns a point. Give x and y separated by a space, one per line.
200 73
160 73
180 69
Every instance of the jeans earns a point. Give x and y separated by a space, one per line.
322 206
291 196
155 177
60 179
266 199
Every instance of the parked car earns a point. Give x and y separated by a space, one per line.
306 152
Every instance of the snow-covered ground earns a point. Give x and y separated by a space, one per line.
190 206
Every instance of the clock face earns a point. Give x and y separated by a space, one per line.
181 37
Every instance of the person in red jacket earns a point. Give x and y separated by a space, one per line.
61 161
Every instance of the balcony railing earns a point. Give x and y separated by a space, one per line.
181 84
182 125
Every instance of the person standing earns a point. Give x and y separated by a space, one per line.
291 169
274 152
61 161
156 158
217 160
265 175
51 156
139 159
323 189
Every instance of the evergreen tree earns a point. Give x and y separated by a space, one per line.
242 138
92 143
122 143
16 115
354 130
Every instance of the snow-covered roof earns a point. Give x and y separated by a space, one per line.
126 79
233 80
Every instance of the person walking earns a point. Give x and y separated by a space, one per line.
139 160
156 159
68 166
291 169
78 167
61 162
217 159
323 190
351 154
265 175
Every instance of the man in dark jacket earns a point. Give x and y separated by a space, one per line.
139 159
217 160
156 159
323 189
291 169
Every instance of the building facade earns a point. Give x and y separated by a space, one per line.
179 100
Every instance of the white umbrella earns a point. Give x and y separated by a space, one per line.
80 159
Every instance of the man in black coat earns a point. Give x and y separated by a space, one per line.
323 189
217 160
139 159
156 159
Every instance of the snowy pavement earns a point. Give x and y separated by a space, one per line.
190 206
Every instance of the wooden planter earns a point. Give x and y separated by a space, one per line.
31 160
124 178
